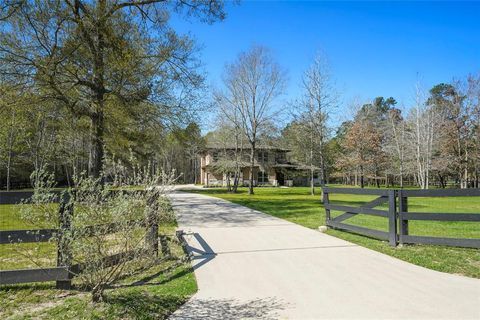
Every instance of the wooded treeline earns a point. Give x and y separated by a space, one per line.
435 142
35 136
84 83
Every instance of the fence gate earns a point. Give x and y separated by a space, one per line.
384 196
400 216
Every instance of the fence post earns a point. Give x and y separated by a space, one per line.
392 218
326 201
64 253
403 224
152 223
164 244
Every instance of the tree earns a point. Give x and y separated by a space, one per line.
472 101
252 84
190 141
363 144
423 136
396 141
12 131
230 134
317 103
301 138
448 102
87 55
364 138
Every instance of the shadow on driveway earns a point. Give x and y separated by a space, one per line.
220 309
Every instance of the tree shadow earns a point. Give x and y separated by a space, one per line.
220 309
144 305
208 191
148 280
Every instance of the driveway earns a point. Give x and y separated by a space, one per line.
252 265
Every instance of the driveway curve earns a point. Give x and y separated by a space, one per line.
250 265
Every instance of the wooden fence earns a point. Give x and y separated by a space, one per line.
62 274
399 216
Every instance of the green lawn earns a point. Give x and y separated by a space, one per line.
298 206
163 288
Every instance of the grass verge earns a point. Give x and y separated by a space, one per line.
153 294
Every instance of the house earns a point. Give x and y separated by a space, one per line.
271 167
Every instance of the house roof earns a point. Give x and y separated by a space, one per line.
294 166
246 164
218 146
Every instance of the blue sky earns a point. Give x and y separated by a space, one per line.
374 48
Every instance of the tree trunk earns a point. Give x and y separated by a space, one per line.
312 183
97 294
362 179
9 160
229 187
97 114
465 173
235 181
401 175
96 148
252 164
323 174
195 170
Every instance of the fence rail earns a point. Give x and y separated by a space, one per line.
65 270
34 275
398 215
404 216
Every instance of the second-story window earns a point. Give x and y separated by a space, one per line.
263 156
280 157
215 156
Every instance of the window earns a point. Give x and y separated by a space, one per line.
262 156
215 156
280 157
262 177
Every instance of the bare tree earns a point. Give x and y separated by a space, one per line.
473 107
253 84
423 137
320 98
396 141
230 121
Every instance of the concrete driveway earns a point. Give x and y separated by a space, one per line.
252 265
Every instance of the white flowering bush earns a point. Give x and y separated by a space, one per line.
105 233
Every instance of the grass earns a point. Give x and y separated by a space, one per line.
153 293
164 288
298 206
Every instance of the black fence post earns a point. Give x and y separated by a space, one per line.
403 224
152 223
326 201
392 218
165 247
64 253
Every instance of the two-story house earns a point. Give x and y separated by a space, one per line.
271 166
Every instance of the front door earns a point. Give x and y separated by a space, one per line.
280 178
